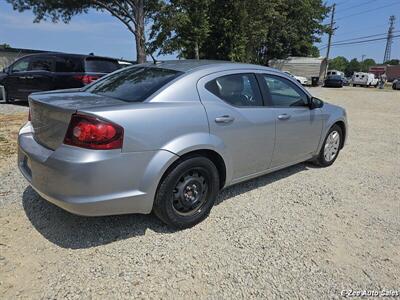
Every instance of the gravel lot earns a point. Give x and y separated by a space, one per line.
303 232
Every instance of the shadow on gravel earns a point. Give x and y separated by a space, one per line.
71 231
17 103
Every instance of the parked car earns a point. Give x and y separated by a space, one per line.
396 84
167 137
364 79
52 71
300 79
333 81
334 72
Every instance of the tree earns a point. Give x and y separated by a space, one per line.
240 30
353 66
180 25
392 62
366 64
132 13
339 63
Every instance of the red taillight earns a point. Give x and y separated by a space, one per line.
93 133
86 79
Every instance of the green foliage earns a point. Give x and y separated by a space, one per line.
392 62
339 63
353 66
239 30
5 46
366 64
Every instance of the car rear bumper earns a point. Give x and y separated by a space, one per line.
92 182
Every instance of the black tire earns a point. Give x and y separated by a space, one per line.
320 159
171 200
354 85
8 100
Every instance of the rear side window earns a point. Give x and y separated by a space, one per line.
41 64
236 89
69 64
133 84
100 65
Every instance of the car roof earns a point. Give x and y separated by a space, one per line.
61 54
188 65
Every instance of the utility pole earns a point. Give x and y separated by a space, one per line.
362 61
331 29
389 39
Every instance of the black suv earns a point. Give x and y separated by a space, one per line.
52 71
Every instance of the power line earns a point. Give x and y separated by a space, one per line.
360 42
362 37
367 11
358 5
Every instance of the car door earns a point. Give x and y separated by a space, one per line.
40 74
237 116
298 128
16 81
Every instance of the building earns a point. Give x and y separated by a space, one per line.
8 55
300 66
392 71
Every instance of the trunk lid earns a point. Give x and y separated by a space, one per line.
51 113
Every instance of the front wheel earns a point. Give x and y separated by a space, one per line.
187 193
331 147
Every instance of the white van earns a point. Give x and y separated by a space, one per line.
335 72
364 79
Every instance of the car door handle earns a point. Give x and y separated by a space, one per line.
224 119
284 117
29 77
22 77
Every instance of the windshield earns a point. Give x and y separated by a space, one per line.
335 77
133 84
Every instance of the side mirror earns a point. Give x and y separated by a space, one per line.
6 70
316 103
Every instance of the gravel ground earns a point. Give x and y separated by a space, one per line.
9 109
303 232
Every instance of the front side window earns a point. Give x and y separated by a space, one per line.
283 93
21 65
236 89
41 64
133 84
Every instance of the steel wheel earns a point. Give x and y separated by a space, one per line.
332 144
189 194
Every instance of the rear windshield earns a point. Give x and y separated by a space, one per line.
336 77
133 84
101 65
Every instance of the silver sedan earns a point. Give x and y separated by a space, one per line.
167 137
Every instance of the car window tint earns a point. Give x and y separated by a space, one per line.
283 93
21 65
101 65
69 64
133 84
41 64
236 89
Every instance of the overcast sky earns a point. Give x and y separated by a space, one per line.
104 35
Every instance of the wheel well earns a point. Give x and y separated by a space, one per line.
217 160
343 128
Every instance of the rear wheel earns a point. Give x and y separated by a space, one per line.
187 193
331 147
